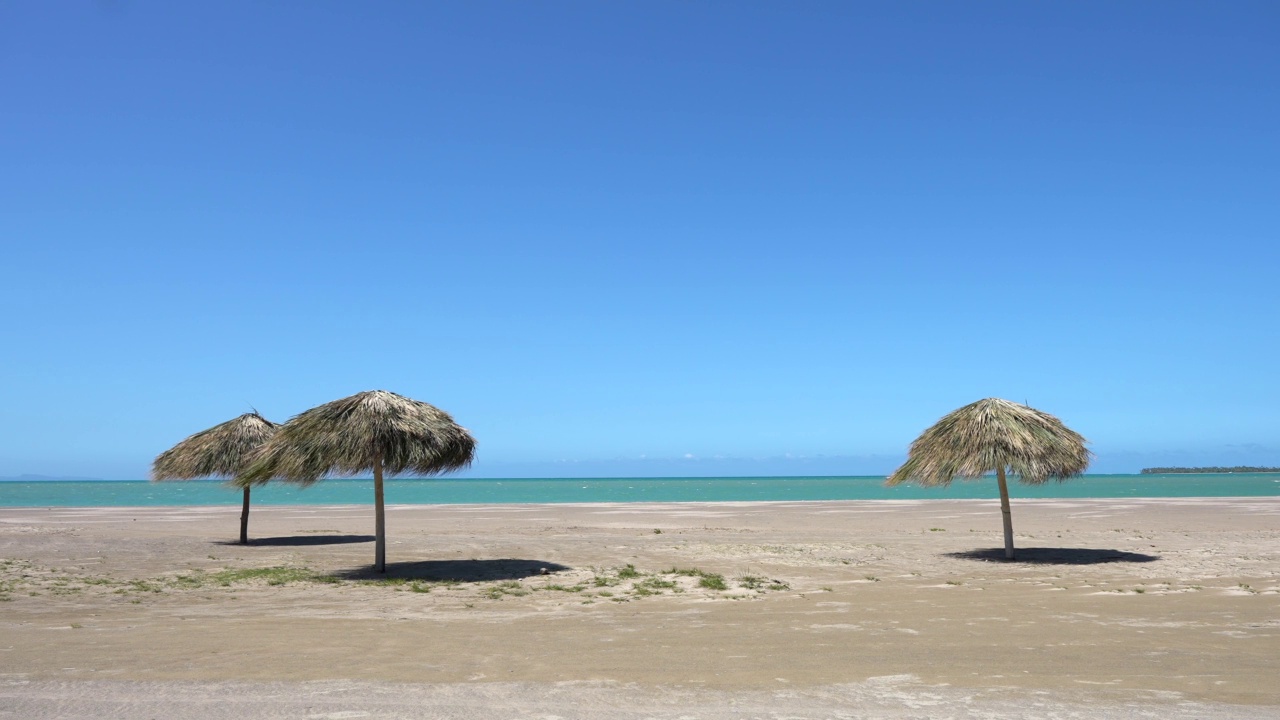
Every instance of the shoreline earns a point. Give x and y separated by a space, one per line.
1015 501
1158 602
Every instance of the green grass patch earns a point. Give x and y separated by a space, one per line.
271 575
563 588
653 586
194 580
708 580
502 589
97 581
713 581
142 586
655 583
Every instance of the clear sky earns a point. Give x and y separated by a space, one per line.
641 238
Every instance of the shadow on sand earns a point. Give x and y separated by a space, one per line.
1055 556
301 540
459 570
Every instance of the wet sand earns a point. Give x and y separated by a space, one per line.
1115 608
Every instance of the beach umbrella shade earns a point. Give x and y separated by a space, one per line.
375 430
221 451
995 435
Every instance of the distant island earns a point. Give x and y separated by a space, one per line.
1207 470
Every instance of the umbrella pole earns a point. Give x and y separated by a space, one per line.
1008 516
380 521
244 518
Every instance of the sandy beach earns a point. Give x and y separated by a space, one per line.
1116 608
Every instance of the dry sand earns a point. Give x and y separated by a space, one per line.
1163 608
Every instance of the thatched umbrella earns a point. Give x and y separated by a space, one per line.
995 434
221 451
375 430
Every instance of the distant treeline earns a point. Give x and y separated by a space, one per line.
1236 469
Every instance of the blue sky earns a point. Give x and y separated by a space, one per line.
654 238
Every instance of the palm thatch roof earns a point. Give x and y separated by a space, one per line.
991 435
221 451
351 435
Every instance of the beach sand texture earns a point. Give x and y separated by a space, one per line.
1117 608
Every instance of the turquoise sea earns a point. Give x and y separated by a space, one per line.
451 491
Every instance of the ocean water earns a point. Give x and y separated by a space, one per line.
450 491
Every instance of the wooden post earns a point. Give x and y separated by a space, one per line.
1008 517
380 522
244 518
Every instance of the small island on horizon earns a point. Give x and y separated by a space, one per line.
1208 470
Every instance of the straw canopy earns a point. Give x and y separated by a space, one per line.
221 451
375 430
991 434
351 435
995 435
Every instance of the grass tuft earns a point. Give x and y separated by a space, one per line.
713 581
502 589
563 588
271 575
